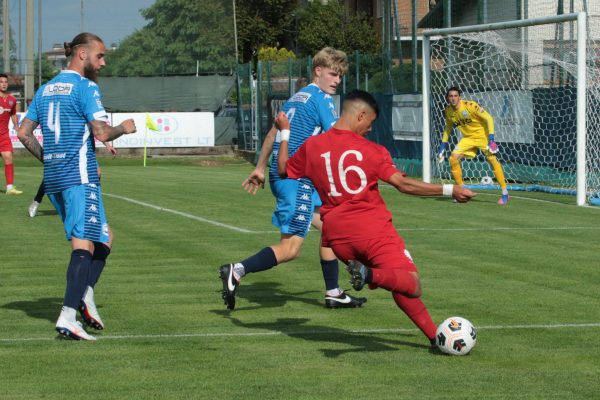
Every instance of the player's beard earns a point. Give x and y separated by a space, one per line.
90 73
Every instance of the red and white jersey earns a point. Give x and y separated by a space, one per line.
8 107
345 169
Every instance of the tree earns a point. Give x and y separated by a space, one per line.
274 54
264 23
331 24
48 70
181 34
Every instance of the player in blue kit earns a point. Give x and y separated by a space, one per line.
70 112
310 111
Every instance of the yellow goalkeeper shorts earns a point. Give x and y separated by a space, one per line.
468 147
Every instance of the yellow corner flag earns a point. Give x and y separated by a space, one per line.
150 124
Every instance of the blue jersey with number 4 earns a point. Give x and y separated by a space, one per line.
310 112
64 107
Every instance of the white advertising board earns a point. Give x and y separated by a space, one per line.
194 129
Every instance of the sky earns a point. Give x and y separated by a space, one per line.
112 20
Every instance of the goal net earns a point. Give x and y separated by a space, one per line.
542 92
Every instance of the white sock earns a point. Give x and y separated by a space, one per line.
8 187
68 313
333 292
238 271
505 192
89 295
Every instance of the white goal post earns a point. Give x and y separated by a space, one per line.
541 86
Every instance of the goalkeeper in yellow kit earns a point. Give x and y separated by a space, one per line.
477 127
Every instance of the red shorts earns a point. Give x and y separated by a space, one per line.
5 143
386 252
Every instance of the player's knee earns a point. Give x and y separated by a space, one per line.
287 251
417 291
110 238
454 161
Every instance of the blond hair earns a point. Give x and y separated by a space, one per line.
331 58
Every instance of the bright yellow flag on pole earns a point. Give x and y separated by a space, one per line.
150 124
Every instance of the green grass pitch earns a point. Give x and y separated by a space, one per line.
527 276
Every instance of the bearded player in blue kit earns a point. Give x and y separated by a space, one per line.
70 113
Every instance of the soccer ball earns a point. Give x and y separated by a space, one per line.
456 336
487 180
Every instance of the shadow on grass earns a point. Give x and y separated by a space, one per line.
46 308
44 213
269 295
300 328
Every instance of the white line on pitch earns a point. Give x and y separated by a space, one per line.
309 332
508 228
180 213
242 230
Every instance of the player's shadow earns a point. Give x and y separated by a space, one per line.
300 329
46 308
257 295
44 213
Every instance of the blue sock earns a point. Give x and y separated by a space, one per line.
331 271
101 252
77 277
261 261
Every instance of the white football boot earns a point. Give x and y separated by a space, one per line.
71 328
88 310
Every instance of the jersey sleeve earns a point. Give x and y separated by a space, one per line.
295 166
327 114
32 114
13 110
91 99
486 119
387 167
447 128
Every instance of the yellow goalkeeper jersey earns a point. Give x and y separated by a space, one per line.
472 120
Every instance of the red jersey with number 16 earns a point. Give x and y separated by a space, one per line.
345 169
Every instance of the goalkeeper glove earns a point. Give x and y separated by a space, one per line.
492 146
440 155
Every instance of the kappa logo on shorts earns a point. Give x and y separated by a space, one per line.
303 208
301 218
105 229
93 196
93 220
305 186
305 197
93 208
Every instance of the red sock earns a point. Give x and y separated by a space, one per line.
9 173
394 280
417 312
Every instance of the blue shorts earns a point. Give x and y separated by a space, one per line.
295 203
82 212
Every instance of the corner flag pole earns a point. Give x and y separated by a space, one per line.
145 139
150 124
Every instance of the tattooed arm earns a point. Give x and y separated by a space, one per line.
106 133
25 134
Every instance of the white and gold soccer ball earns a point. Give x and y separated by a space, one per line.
487 180
456 336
